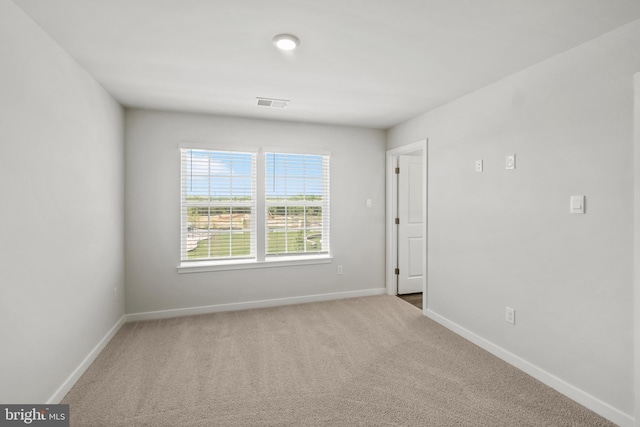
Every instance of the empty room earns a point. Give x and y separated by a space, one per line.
336 213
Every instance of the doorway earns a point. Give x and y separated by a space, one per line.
407 221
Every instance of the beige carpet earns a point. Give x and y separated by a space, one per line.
372 361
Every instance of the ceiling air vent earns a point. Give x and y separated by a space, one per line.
273 103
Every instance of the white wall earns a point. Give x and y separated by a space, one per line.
61 239
153 212
506 238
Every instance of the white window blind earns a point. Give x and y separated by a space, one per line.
296 204
218 208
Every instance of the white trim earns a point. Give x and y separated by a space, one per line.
391 280
209 146
84 365
297 150
636 242
391 201
284 261
261 226
164 314
585 399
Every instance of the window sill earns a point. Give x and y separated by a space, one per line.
200 267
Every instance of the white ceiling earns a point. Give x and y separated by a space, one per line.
360 62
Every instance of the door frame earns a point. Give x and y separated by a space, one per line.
391 209
636 242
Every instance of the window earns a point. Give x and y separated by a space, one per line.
222 192
297 204
218 205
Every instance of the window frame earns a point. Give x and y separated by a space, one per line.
259 259
324 203
231 204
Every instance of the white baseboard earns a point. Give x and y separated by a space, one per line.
84 365
164 314
585 399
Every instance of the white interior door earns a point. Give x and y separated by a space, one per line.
410 215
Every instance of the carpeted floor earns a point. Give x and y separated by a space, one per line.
374 361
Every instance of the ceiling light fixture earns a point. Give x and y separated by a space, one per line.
286 41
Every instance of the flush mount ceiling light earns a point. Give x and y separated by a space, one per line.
286 41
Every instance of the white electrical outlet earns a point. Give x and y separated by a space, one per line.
511 161
115 293
479 165
339 269
510 315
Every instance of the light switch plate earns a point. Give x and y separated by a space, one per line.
511 161
576 204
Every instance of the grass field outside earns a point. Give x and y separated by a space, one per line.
238 244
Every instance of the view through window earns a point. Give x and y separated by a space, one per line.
218 204
220 198
296 202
